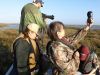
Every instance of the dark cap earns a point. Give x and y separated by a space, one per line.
36 1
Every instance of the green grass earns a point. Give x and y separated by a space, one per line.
7 37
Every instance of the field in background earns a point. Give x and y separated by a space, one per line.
2 25
7 37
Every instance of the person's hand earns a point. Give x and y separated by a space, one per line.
90 21
51 17
90 18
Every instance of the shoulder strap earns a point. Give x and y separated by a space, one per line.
39 48
32 47
48 48
86 61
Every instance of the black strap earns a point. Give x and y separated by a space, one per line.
32 49
86 61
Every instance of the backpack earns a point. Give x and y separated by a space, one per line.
87 65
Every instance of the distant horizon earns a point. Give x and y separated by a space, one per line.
47 24
16 26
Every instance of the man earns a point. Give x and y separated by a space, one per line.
26 51
31 14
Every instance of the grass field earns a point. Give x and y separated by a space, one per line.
7 37
2 24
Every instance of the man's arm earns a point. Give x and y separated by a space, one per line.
47 16
22 52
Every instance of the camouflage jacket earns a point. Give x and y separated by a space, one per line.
64 57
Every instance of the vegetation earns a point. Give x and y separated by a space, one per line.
2 24
7 37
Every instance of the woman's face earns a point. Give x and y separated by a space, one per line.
61 33
32 35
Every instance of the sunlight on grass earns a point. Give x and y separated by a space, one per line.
7 37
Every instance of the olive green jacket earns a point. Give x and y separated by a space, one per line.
22 50
30 14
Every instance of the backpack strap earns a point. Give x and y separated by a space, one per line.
86 61
32 63
48 52
32 47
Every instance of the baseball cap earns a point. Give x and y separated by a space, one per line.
36 1
33 27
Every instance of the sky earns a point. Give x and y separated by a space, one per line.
66 11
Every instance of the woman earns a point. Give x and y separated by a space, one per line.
26 50
61 51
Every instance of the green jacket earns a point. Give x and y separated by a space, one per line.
22 50
30 14
21 53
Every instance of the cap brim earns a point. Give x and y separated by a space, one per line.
39 2
42 2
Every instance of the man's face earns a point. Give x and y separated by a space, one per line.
40 5
32 35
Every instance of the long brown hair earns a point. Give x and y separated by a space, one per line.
53 28
26 33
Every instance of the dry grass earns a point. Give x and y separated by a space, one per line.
7 37
3 25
